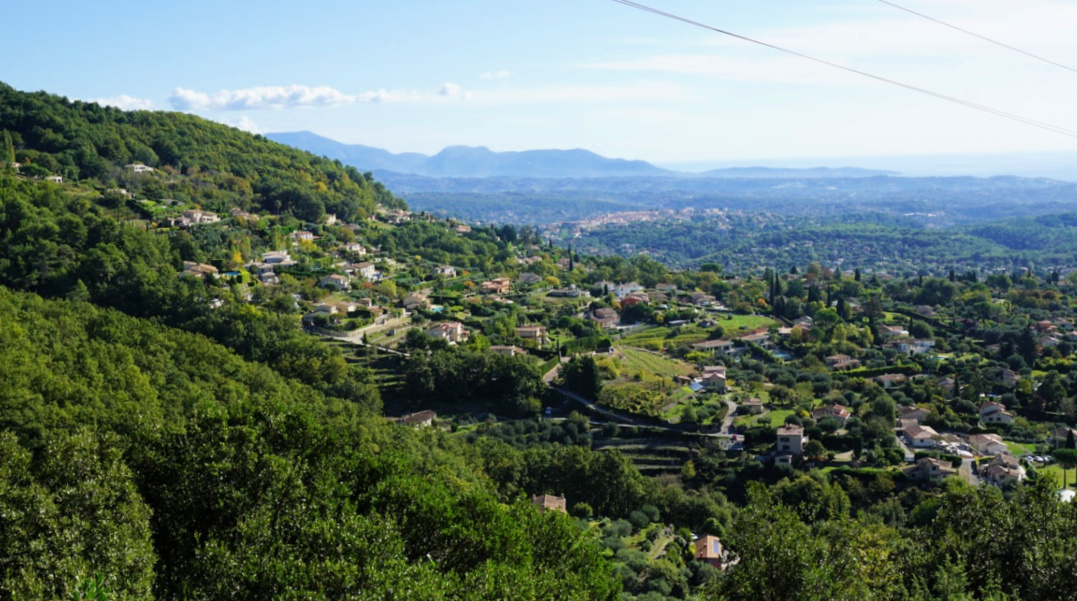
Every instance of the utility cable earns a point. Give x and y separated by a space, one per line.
969 104
976 35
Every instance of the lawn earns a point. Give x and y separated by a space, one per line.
1055 472
1020 448
640 360
734 323
775 417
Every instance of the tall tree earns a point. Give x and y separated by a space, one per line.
7 149
1067 458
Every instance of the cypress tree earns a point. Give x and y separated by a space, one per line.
8 149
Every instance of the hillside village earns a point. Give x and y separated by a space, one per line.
742 376
244 333
808 388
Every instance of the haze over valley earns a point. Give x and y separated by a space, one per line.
563 301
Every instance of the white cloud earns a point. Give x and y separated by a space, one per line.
449 89
278 97
125 102
245 123
496 74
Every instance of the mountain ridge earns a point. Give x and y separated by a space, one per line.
460 161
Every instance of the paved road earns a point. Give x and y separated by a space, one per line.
621 419
731 414
356 336
612 416
551 375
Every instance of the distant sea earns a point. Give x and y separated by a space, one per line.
1054 165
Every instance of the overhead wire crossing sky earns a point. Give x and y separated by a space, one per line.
976 35
966 103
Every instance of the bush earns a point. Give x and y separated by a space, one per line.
613 543
582 510
639 519
620 528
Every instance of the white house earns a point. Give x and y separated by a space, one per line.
916 347
623 290
791 439
718 347
365 270
537 333
335 282
302 236
760 338
995 413
921 437
197 216
353 247
277 257
893 332
988 444
451 331
447 271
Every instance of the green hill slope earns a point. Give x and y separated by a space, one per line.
194 159
175 469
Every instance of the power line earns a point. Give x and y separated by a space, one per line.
966 103
976 35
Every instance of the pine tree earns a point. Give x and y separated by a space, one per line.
856 274
8 149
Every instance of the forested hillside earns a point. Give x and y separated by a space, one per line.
201 161
153 463
191 404
177 470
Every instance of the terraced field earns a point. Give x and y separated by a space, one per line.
660 338
653 363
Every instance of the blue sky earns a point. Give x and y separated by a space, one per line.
418 75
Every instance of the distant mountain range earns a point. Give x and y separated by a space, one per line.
481 162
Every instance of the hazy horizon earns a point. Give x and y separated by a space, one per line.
1060 165
617 81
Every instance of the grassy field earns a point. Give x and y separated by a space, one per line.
739 323
1055 472
636 359
652 338
1020 448
775 417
